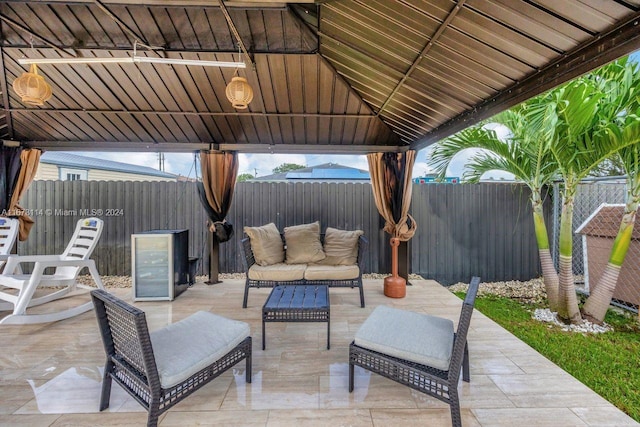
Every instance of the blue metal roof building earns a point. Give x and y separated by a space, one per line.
324 172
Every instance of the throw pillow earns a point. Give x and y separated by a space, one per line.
303 243
266 244
341 247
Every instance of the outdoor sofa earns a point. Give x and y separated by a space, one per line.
303 256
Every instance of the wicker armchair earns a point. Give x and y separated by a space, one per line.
164 367
388 343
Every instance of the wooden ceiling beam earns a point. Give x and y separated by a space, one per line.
185 147
190 113
621 40
164 50
236 33
239 4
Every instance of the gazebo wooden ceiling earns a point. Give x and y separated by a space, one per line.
343 76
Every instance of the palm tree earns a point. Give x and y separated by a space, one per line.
569 131
626 109
524 155
581 129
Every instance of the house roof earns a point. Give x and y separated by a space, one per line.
324 172
605 222
346 76
69 160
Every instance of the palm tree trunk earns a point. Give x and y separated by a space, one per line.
550 278
568 310
549 274
598 302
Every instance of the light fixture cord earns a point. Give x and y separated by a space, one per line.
239 59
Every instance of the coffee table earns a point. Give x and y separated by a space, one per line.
297 303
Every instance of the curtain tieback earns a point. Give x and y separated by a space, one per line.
404 230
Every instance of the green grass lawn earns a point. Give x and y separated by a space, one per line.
607 363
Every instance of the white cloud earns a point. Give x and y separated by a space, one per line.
263 164
176 163
141 159
458 165
181 164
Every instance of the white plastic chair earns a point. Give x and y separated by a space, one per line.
67 266
8 234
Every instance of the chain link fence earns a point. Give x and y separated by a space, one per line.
598 209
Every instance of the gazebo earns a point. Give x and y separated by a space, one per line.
327 76
330 76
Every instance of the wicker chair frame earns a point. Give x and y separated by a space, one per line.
131 363
442 385
248 260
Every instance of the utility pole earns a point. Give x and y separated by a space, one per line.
161 161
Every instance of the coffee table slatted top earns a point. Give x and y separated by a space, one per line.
298 297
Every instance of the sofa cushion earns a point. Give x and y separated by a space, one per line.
341 247
303 243
266 244
190 345
331 272
416 337
277 272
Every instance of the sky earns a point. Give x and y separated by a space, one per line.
263 164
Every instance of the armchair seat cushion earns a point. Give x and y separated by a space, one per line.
331 272
190 345
416 337
277 272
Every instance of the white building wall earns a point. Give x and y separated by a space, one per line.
103 175
47 171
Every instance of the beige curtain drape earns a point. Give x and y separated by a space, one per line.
30 159
391 184
219 172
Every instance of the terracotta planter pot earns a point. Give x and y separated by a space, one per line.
394 285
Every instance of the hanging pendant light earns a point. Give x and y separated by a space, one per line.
239 93
32 88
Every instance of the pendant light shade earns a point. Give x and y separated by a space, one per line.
239 93
32 88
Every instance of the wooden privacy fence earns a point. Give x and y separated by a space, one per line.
463 230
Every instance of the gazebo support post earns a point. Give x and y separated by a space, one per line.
404 261
214 259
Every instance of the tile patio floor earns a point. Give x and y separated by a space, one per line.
50 374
